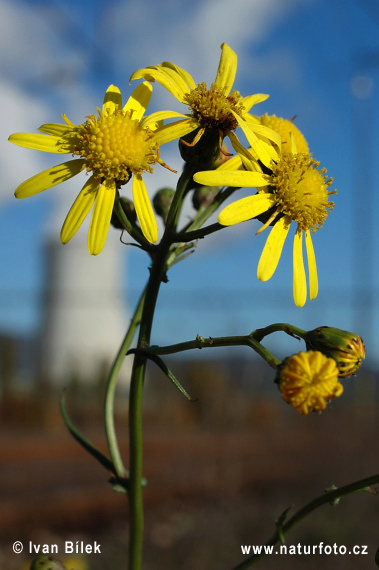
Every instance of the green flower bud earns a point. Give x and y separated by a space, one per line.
130 213
202 152
46 563
203 196
345 347
162 202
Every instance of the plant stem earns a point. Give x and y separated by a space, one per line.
217 342
135 419
327 497
157 275
291 330
111 389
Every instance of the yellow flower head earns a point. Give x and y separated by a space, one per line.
308 380
294 190
218 108
286 129
112 147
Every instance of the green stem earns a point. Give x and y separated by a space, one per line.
134 232
174 212
291 330
205 213
111 389
157 274
327 497
210 342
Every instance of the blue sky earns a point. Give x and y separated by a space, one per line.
318 60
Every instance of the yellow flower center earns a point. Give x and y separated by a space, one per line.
301 190
308 380
284 127
115 146
212 108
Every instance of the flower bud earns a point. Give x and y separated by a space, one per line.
46 563
130 213
308 380
204 152
203 196
162 202
345 347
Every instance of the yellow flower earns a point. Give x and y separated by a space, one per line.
294 191
114 147
308 380
218 108
286 129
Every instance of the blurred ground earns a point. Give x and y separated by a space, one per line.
220 471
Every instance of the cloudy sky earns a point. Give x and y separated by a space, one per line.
318 60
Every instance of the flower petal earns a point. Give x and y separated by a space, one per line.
160 116
273 249
49 178
227 68
245 156
56 129
170 80
312 268
245 209
101 216
175 130
265 151
139 100
237 178
299 281
262 130
80 209
112 100
252 100
182 73
144 210
44 143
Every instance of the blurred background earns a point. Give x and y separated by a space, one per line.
63 312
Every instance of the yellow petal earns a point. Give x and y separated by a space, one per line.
273 249
160 116
49 178
170 81
232 164
252 100
67 121
312 268
265 151
245 156
227 69
44 143
79 209
181 72
55 129
262 130
175 130
112 99
293 144
144 210
245 209
139 100
101 216
299 281
237 178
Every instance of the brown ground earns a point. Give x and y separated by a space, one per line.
210 488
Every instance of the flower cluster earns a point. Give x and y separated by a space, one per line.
292 190
120 144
